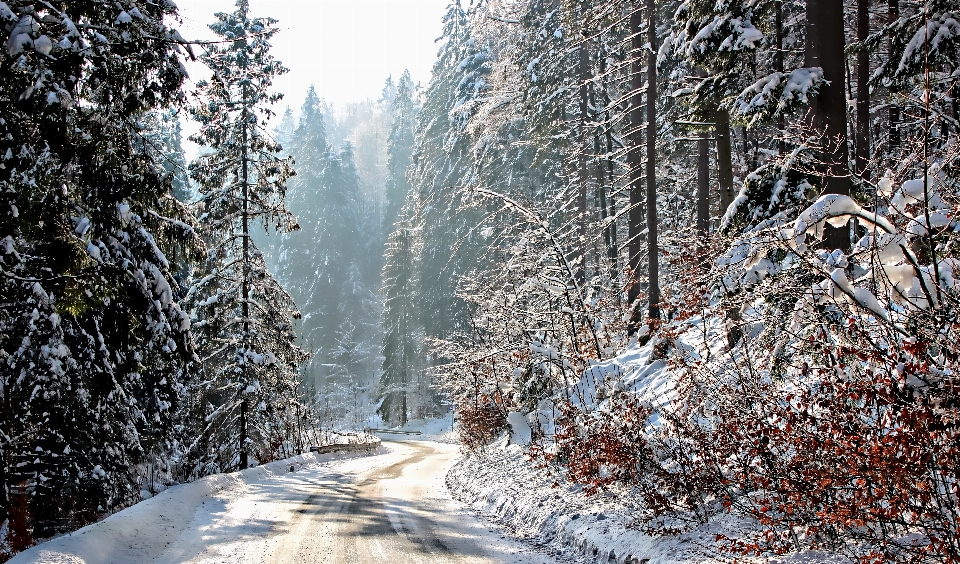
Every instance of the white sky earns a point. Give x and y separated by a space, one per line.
345 48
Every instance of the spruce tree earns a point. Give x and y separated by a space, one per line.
442 166
400 345
244 332
325 264
399 149
94 342
163 140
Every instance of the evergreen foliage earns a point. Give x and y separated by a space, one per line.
399 149
93 340
491 251
244 319
401 342
330 265
163 141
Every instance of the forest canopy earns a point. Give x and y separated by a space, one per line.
705 249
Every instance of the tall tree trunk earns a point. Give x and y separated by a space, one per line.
703 184
245 285
611 204
611 179
893 113
824 48
778 66
4 482
601 194
653 249
405 365
863 92
703 176
634 162
724 159
244 463
584 173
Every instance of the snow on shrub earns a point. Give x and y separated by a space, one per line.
834 426
826 419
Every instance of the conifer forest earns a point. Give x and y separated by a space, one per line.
703 249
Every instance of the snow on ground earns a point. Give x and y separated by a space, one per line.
147 530
392 506
535 504
503 485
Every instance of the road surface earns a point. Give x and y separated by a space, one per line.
392 507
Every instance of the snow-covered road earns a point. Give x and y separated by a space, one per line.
392 507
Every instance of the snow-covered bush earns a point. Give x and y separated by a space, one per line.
831 423
828 421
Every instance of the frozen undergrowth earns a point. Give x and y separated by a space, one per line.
536 504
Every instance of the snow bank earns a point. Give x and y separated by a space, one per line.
537 505
149 527
535 501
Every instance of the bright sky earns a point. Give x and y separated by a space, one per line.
346 48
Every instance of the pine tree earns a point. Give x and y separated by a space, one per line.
399 149
442 166
245 330
400 346
94 342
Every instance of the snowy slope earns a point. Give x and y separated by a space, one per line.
536 502
504 486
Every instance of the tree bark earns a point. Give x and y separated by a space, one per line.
4 485
244 462
601 195
778 66
703 184
703 176
863 92
611 175
893 112
405 367
724 159
584 71
634 162
824 48
245 285
653 249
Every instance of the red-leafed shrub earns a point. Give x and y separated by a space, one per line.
825 413
480 422
605 447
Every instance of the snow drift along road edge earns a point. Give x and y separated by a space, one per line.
534 504
539 505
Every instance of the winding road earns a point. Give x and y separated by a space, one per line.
393 514
397 511
391 507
